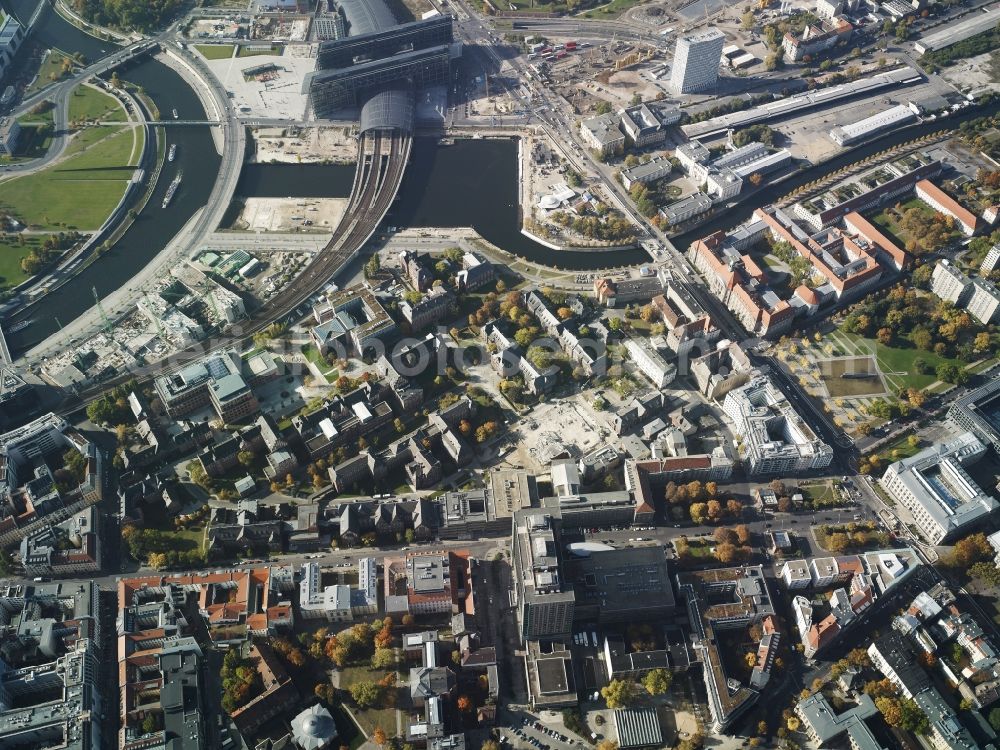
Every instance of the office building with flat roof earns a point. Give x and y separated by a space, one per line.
379 55
216 380
647 173
50 694
12 35
979 412
512 490
776 440
935 487
696 61
427 582
616 586
548 667
544 599
686 208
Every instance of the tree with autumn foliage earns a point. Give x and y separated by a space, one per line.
725 536
366 693
379 737
383 638
972 549
325 691
463 704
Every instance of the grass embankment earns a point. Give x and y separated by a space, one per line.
52 69
80 191
368 718
11 254
89 103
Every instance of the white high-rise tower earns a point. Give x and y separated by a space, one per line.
696 61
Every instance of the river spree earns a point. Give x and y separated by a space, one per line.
471 183
155 226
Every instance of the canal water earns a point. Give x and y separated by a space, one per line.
471 183
54 32
155 226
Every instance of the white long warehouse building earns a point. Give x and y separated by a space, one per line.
953 33
877 123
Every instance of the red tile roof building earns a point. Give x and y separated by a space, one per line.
152 621
845 263
429 582
940 201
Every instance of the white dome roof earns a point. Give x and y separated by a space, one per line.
313 729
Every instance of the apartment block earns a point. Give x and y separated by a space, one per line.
984 303
603 134
720 599
855 588
816 38
992 260
950 284
651 363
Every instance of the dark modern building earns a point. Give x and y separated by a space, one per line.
380 63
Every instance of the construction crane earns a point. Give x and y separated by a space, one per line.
100 309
